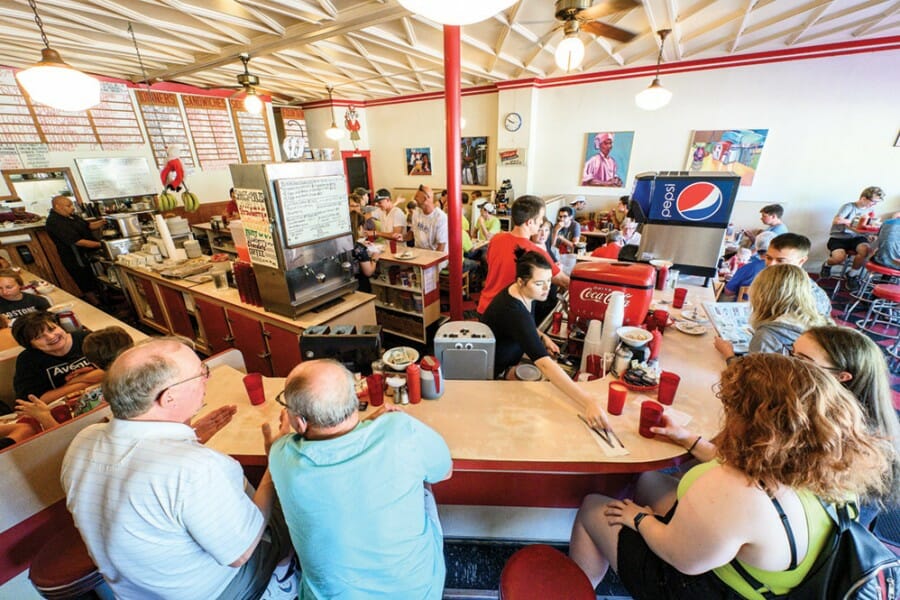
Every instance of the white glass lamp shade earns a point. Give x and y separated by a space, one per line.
654 97
56 84
456 12
334 132
569 53
252 103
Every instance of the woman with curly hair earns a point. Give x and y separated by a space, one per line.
782 306
791 433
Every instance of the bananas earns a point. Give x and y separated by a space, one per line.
190 200
165 201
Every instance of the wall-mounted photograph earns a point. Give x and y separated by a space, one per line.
474 153
606 158
735 150
418 161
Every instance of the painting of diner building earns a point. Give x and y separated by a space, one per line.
734 150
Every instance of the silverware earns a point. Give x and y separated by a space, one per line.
600 432
613 434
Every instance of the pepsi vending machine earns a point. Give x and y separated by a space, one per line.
686 215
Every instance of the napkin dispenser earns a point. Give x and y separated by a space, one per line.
592 283
465 350
356 348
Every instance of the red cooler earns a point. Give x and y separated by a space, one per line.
592 283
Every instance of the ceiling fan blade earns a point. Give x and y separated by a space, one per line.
608 31
608 7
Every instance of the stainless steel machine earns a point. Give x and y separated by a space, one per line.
297 225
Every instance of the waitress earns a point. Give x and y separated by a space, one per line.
510 316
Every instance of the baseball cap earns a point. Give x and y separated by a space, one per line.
382 194
576 200
489 207
360 191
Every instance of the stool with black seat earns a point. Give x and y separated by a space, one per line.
542 571
63 569
883 318
872 275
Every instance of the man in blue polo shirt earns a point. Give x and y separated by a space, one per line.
746 274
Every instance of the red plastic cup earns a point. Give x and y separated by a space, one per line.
393 246
651 414
254 385
616 401
668 385
678 299
662 318
594 365
370 235
376 389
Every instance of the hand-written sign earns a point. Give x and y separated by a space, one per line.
255 219
313 209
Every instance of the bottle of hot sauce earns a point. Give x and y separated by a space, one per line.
414 384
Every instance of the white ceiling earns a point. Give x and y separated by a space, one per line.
376 49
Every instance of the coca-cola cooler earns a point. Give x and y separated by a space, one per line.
685 217
592 283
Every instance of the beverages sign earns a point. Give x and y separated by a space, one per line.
693 200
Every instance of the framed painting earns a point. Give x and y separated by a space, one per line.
735 150
607 155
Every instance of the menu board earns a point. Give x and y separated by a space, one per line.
16 120
312 209
164 124
211 130
114 118
252 132
255 219
123 177
64 130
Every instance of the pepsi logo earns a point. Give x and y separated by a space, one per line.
699 201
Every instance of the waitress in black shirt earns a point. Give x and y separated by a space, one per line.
510 316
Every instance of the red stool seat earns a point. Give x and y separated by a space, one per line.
882 270
541 571
62 568
887 291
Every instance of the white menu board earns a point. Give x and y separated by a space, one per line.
255 219
313 209
122 177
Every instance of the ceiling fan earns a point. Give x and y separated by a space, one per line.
583 15
248 84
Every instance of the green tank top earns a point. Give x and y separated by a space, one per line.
818 524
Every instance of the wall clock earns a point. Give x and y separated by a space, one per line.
513 121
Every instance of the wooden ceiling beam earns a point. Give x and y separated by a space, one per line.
875 21
814 16
737 37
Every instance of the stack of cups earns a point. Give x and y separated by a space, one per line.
593 346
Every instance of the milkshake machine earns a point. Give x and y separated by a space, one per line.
297 224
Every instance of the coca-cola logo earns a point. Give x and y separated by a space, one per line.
600 295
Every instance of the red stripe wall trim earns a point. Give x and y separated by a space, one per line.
22 541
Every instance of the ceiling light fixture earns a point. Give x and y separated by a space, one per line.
655 96
570 51
457 12
334 132
56 84
252 102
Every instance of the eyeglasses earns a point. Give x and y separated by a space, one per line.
280 400
204 373
788 350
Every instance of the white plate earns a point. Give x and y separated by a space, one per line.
401 357
691 328
57 308
405 255
698 316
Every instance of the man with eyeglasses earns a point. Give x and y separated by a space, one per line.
162 515
354 494
844 239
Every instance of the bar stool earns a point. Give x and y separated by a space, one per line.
883 318
872 275
845 266
63 570
541 571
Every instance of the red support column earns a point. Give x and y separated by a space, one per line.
452 104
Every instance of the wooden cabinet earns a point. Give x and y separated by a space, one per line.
248 338
146 303
214 326
284 349
407 298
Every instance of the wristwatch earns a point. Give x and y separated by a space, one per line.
638 518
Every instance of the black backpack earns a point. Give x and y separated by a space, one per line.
855 566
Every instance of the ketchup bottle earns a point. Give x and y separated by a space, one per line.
414 384
662 275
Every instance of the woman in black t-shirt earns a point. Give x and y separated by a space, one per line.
13 301
510 317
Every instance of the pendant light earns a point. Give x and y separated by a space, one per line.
570 51
457 12
655 96
56 84
334 132
252 102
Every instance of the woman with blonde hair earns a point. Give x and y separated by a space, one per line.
782 307
791 435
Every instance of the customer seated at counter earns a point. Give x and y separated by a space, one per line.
13 301
614 244
161 515
791 434
511 318
793 249
744 276
53 363
355 495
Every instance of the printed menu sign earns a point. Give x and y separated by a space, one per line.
16 121
64 130
252 132
114 119
313 209
211 131
255 219
164 124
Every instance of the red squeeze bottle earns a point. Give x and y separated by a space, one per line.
413 384
662 275
655 344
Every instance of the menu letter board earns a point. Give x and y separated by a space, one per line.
114 119
255 219
162 118
312 209
211 131
252 133
64 130
16 121
107 178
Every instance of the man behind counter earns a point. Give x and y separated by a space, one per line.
71 234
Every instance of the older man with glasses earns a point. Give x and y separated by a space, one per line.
162 515
354 494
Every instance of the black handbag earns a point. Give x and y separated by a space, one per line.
854 566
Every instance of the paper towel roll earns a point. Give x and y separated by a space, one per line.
168 245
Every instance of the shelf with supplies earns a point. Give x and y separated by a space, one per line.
397 286
411 303
214 240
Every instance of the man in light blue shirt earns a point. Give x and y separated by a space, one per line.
744 276
354 494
